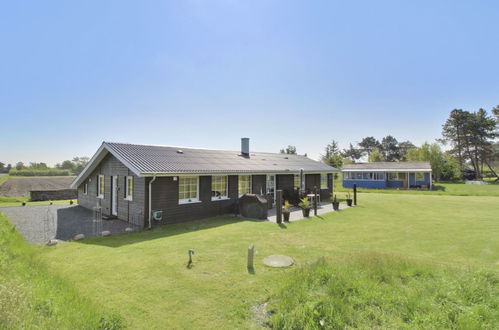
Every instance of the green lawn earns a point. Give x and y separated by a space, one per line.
439 188
144 278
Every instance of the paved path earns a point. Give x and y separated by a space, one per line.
39 223
297 214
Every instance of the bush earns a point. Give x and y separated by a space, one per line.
381 291
45 172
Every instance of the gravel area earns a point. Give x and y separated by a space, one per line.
22 186
39 223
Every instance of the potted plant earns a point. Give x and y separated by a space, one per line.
336 203
349 199
305 206
286 210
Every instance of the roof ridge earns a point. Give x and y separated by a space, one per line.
199 148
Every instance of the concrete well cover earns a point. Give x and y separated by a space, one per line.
278 261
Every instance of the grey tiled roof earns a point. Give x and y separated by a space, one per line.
149 159
388 166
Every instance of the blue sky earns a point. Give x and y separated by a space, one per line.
205 73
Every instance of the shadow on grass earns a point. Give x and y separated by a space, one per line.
163 231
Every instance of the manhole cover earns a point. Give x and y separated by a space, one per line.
278 261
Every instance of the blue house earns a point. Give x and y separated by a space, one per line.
381 175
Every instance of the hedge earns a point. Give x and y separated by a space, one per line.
47 172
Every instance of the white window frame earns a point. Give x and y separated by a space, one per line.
398 176
101 186
128 180
248 190
267 186
221 197
416 176
85 188
324 181
192 199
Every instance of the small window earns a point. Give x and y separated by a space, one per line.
85 188
218 187
100 186
188 189
379 176
244 184
129 188
419 176
323 181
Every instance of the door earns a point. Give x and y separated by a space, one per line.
271 185
114 197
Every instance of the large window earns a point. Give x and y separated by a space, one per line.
100 186
323 181
188 189
218 187
129 188
378 176
419 176
244 184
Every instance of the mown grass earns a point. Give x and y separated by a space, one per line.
439 188
33 298
143 276
373 290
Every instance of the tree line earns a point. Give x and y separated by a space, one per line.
471 138
67 167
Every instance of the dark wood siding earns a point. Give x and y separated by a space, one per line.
127 210
165 198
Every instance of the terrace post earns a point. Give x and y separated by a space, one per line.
315 200
278 206
355 194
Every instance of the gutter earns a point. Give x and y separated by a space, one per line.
150 200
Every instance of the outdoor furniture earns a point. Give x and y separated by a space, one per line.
311 197
253 206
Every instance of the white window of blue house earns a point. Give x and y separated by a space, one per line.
419 176
244 184
219 187
188 187
379 176
323 181
346 175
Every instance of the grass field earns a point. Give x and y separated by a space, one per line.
143 276
439 188
33 298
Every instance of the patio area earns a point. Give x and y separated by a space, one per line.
297 214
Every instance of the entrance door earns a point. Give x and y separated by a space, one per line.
271 185
114 197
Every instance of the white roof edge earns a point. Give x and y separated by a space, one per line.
96 159
147 174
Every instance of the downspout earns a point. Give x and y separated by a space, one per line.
150 200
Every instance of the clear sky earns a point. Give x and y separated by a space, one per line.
205 73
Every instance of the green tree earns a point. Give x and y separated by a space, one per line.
390 149
375 156
404 147
332 155
290 150
368 144
352 153
444 167
20 165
